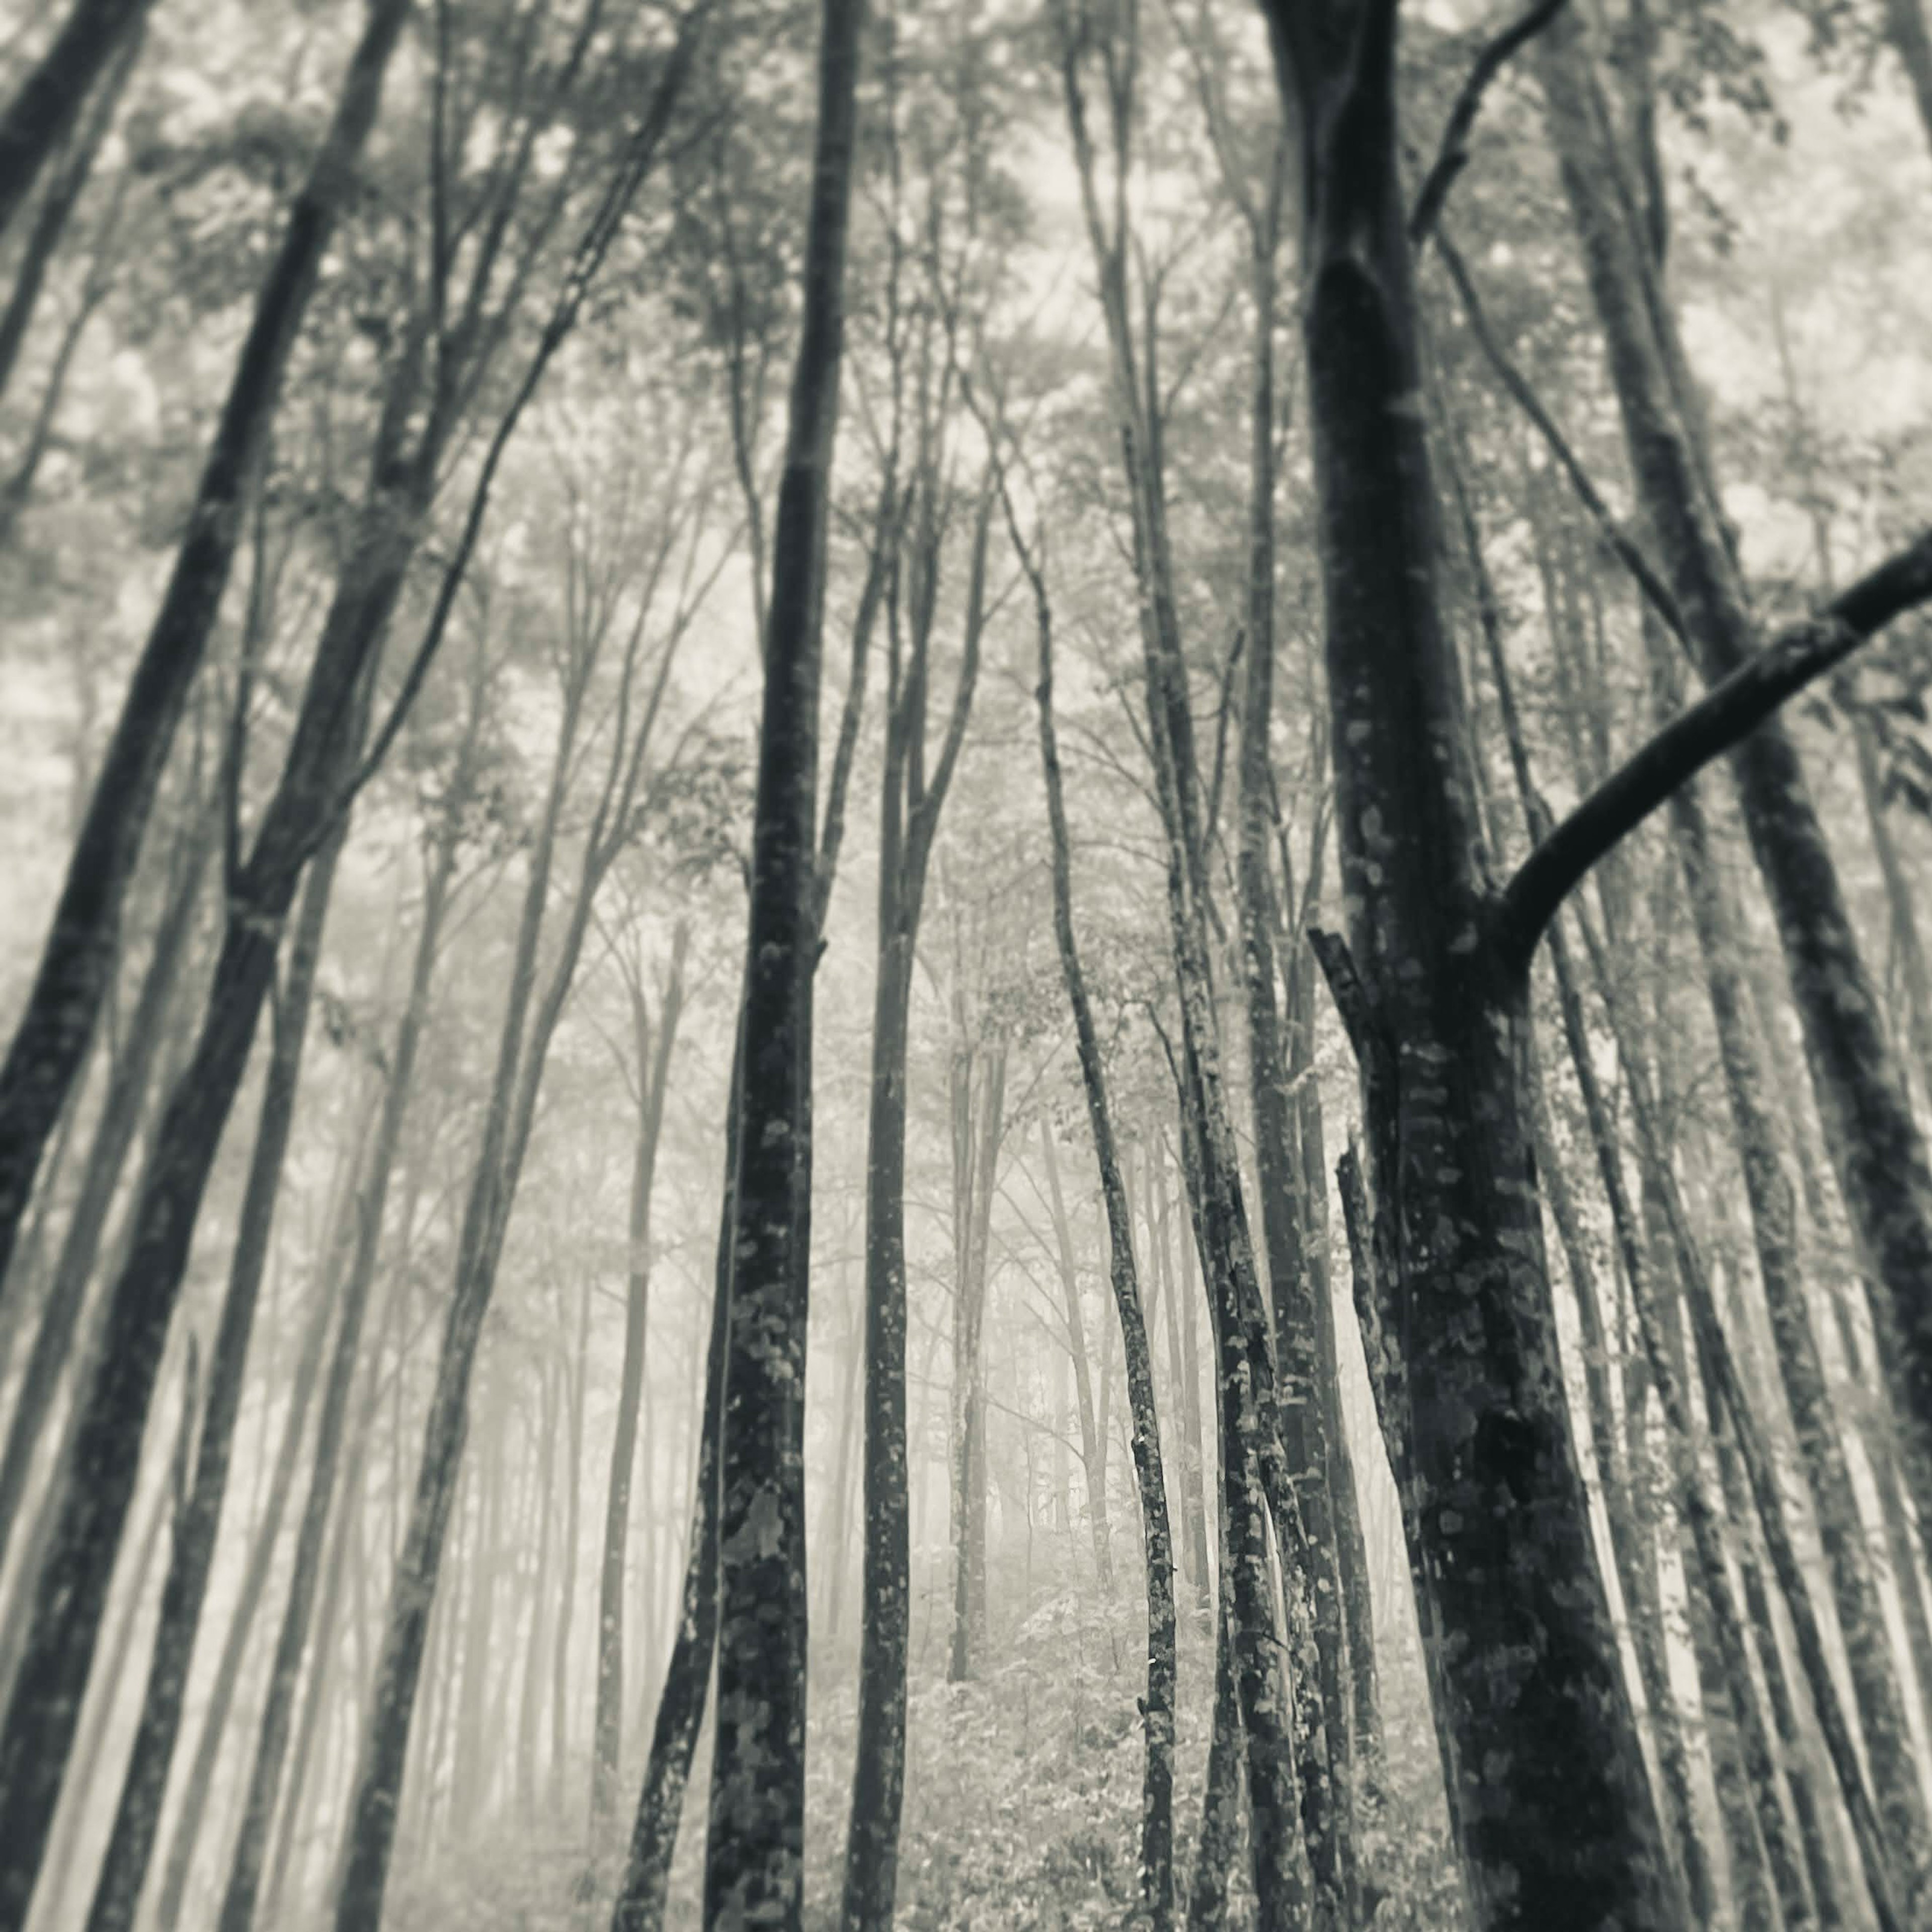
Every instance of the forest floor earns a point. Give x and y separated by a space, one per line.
1022 1802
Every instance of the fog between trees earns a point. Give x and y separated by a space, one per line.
963 969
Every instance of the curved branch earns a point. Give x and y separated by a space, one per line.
1725 715
1452 156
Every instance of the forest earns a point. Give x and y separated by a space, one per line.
961 967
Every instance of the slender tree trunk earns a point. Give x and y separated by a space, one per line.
1157 1706
1093 1437
573 1510
1302 1374
272 1736
653 1072
1221 1795
974 1200
76 965
530 1719
640 1901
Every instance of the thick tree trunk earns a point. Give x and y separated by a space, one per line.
653 1073
1548 1795
191 1555
33 123
1221 1793
755 1850
77 962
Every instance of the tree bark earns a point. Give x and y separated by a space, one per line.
1093 1438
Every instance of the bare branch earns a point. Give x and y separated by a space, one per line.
1452 157
1724 715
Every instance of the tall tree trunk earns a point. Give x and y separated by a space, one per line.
1549 1799
653 1073
57 204
77 962
38 1729
573 1512
910 807
1302 1373
754 1849
1157 1706
529 1717
124 1869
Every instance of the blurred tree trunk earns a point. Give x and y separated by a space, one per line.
1092 1437
577 1372
653 1074
529 1715
1905 27
979 1122
124 1868
57 204
50 1039
35 121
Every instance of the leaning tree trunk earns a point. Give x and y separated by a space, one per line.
124 1868
38 1728
77 964
1093 1441
653 1072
